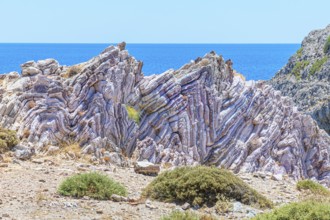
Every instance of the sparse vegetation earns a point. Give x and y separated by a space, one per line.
133 114
73 70
94 185
8 140
223 205
298 68
327 45
72 149
313 187
202 185
306 210
187 215
317 65
299 52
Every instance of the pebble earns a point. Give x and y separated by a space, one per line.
185 206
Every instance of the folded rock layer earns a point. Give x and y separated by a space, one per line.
203 113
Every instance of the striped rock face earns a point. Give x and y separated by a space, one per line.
203 113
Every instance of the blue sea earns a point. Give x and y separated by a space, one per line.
254 61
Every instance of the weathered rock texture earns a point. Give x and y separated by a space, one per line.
203 113
306 77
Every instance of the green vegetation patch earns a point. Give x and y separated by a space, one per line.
8 140
298 68
299 52
306 210
133 114
202 185
317 65
327 45
178 215
94 185
313 187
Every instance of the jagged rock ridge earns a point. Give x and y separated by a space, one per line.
202 113
306 77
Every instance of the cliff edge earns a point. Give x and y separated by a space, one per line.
306 77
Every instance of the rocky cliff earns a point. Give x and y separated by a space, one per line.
306 77
203 113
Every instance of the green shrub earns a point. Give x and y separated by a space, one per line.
202 185
133 114
298 68
178 215
313 187
8 140
327 45
299 52
307 210
94 185
317 65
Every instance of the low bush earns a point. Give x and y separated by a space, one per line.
306 210
299 66
299 52
313 187
94 185
133 114
327 45
8 140
317 65
178 215
202 185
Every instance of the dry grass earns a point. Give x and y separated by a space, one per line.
72 71
73 150
40 196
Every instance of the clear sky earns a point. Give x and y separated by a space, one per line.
161 21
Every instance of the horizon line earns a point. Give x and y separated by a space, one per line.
128 43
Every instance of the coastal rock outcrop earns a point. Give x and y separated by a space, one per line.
306 77
203 113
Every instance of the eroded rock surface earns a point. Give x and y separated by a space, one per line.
203 113
306 77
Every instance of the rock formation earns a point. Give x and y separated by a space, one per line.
306 77
203 113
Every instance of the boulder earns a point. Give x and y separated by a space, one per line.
146 168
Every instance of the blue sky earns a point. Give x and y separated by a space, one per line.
169 21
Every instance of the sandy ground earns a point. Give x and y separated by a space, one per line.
28 190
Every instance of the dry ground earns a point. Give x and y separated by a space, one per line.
28 190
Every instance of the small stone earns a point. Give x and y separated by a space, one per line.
5 215
185 206
118 198
37 161
149 205
42 181
277 177
3 165
99 212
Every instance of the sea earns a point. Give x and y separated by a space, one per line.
254 61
